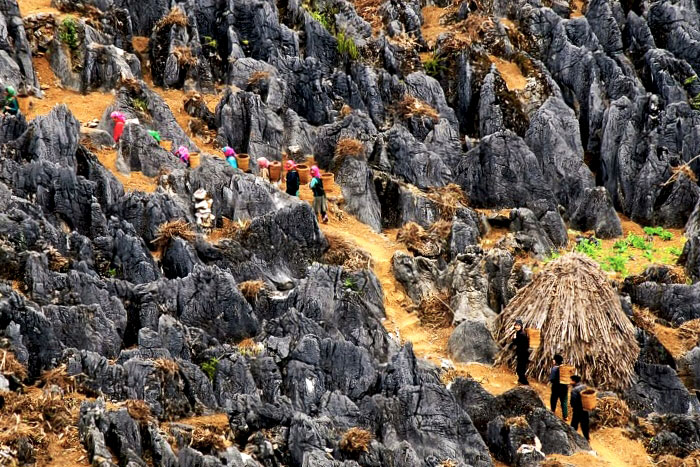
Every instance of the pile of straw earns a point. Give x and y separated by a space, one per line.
611 412
580 317
410 107
343 252
169 230
448 199
356 440
429 243
434 312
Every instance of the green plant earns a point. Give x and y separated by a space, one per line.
675 251
349 283
434 65
690 80
68 32
141 104
210 42
589 247
552 256
660 232
617 263
695 102
112 272
323 19
347 47
620 246
209 367
637 241
648 254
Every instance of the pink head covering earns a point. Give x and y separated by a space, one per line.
228 151
184 153
263 163
290 165
118 116
315 172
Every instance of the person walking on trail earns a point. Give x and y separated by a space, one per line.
10 104
320 202
292 178
264 168
560 392
184 154
230 155
119 120
521 343
579 415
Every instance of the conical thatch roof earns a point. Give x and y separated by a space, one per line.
579 316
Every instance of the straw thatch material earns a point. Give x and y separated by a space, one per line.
580 317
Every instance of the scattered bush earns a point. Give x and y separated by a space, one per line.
347 47
175 17
434 312
690 80
167 366
210 42
434 65
209 367
356 440
208 442
257 76
345 253
10 365
139 410
324 19
169 230
616 263
588 246
140 104
184 56
449 198
251 289
68 32
675 251
248 347
410 107
349 147
660 232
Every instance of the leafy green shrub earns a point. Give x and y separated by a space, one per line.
347 47
660 232
324 19
637 241
620 246
616 263
690 80
589 247
695 102
349 283
210 42
675 251
141 104
209 367
68 32
434 65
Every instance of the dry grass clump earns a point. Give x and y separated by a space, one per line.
139 410
434 312
58 377
691 460
448 463
130 84
234 229
169 230
579 315
250 348
175 17
410 107
257 76
448 199
184 56
356 440
207 441
167 366
251 289
349 147
519 422
345 253
345 110
10 365
612 412
429 243
689 333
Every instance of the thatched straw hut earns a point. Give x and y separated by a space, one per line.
579 316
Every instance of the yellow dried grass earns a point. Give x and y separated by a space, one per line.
612 412
175 17
356 440
10 365
345 253
251 289
184 56
410 107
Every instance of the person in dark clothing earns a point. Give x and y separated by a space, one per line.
10 104
560 392
292 178
320 203
521 342
579 415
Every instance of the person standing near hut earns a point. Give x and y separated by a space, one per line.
579 415
560 392
521 343
264 168
320 203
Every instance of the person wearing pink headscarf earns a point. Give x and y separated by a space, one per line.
184 154
293 182
119 120
320 202
264 168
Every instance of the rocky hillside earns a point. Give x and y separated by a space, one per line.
471 143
